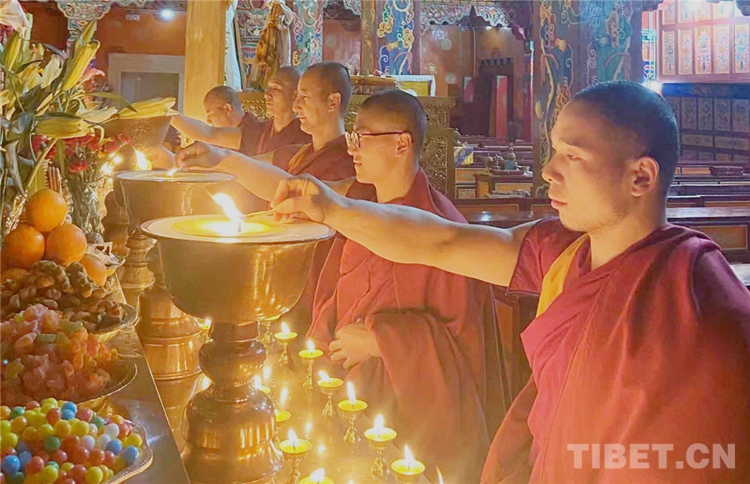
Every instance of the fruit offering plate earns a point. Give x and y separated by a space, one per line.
122 373
129 317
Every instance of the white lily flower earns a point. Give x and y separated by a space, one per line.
51 71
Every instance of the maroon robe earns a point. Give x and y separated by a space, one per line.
650 348
259 137
332 162
437 335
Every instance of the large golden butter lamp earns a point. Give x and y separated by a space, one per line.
235 272
170 338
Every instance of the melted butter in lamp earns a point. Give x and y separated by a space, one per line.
317 477
285 335
379 432
311 353
282 416
224 227
295 446
352 404
408 466
328 382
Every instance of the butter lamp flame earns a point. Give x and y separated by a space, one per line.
350 393
379 425
310 345
285 329
409 458
230 209
440 476
324 377
293 439
318 476
141 162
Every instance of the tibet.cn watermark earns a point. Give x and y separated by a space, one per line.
651 456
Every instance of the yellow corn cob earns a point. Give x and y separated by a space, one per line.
13 51
150 108
61 127
78 64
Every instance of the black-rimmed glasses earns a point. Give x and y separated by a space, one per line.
354 138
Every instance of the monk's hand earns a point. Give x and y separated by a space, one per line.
353 345
201 155
303 197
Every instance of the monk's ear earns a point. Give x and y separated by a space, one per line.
646 176
404 141
334 101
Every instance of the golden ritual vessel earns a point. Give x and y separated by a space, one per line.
235 271
170 338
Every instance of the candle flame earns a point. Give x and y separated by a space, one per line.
227 204
116 160
172 171
324 377
293 438
141 162
257 383
283 396
266 373
207 323
318 476
310 346
440 476
107 169
285 329
308 427
321 449
350 393
379 424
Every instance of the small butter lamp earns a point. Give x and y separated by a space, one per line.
285 336
294 451
260 386
407 470
317 477
379 437
351 409
328 386
440 476
310 354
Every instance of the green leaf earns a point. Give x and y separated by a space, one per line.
55 50
119 100
20 125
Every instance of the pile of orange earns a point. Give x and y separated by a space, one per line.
48 236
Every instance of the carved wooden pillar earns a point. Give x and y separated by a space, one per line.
367 48
204 52
81 12
399 29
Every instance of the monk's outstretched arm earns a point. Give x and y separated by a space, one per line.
199 131
407 235
259 177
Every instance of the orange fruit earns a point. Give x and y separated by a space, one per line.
23 247
66 244
46 209
95 268
14 274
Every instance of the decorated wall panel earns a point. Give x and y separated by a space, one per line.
703 42
714 120
396 29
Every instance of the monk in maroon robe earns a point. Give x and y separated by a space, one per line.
420 343
640 350
229 127
283 128
323 95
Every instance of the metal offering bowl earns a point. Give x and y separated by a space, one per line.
146 197
144 133
236 281
122 373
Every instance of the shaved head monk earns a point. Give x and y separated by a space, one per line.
230 127
639 351
322 99
419 343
